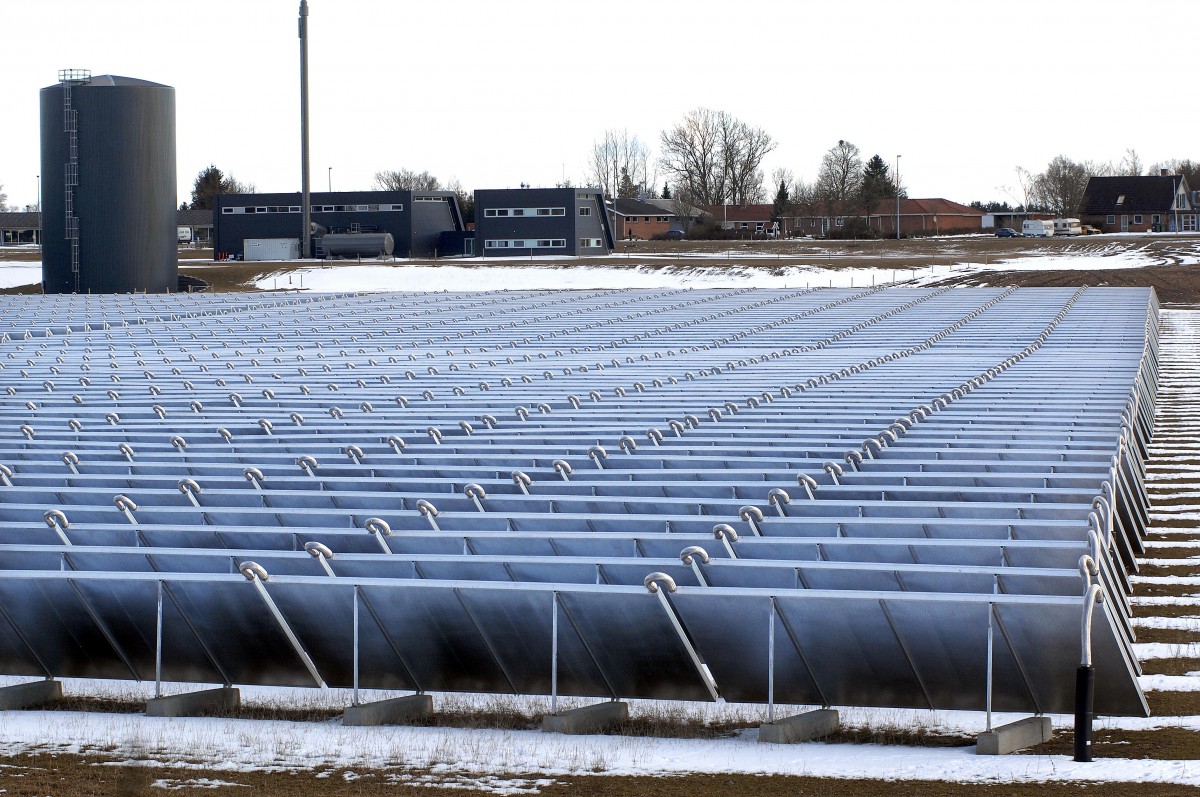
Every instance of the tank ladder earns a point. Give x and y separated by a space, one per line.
69 78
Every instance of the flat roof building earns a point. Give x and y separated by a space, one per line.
541 221
415 219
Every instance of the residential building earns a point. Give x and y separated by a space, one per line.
25 227
200 223
685 215
747 219
415 219
916 217
541 221
20 227
634 218
1161 202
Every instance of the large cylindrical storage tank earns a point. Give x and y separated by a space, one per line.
121 184
358 244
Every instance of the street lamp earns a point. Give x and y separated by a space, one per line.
897 197
330 176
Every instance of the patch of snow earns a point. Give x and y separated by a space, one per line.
15 274
172 784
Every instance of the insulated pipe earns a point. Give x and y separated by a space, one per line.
660 584
476 493
126 506
255 477
430 512
727 534
56 520
753 516
380 529
808 483
322 554
778 498
1085 676
191 489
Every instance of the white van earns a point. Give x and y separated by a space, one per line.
1067 227
1037 228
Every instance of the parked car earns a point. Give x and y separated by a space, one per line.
1090 230
1007 232
674 234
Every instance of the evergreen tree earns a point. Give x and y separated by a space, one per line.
877 184
212 181
666 194
782 203
625 187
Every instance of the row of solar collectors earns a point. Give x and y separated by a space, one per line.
777 570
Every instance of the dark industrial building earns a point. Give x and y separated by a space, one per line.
541 221
109 211
415 219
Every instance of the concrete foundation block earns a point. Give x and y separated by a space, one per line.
190 704
800 728
34 693
396 711
1014 736
588 719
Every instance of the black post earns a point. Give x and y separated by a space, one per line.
1085 687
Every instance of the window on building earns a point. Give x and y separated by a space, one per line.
1110 219
590 243
585 211
1137 218
840 221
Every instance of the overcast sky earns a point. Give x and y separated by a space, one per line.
499 93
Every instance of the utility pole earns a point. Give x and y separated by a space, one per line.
305 203
897 197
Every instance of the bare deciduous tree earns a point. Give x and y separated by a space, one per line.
1131 164
616 152
712 158
406 180
3 198
1061 187
840 176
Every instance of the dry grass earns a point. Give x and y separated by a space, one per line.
1174 666
96 776
1162 571
1166 744
1175 704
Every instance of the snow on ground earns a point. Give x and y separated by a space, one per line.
15 274
222 746
513 276
645 271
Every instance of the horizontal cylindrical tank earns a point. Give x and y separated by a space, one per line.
358 244
108 171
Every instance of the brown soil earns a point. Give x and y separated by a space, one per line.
1166 610
1174 704
1168 744
93 776
1168 570
1175 283
1181 666
1168 636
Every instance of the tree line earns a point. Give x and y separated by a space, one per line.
1060 187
